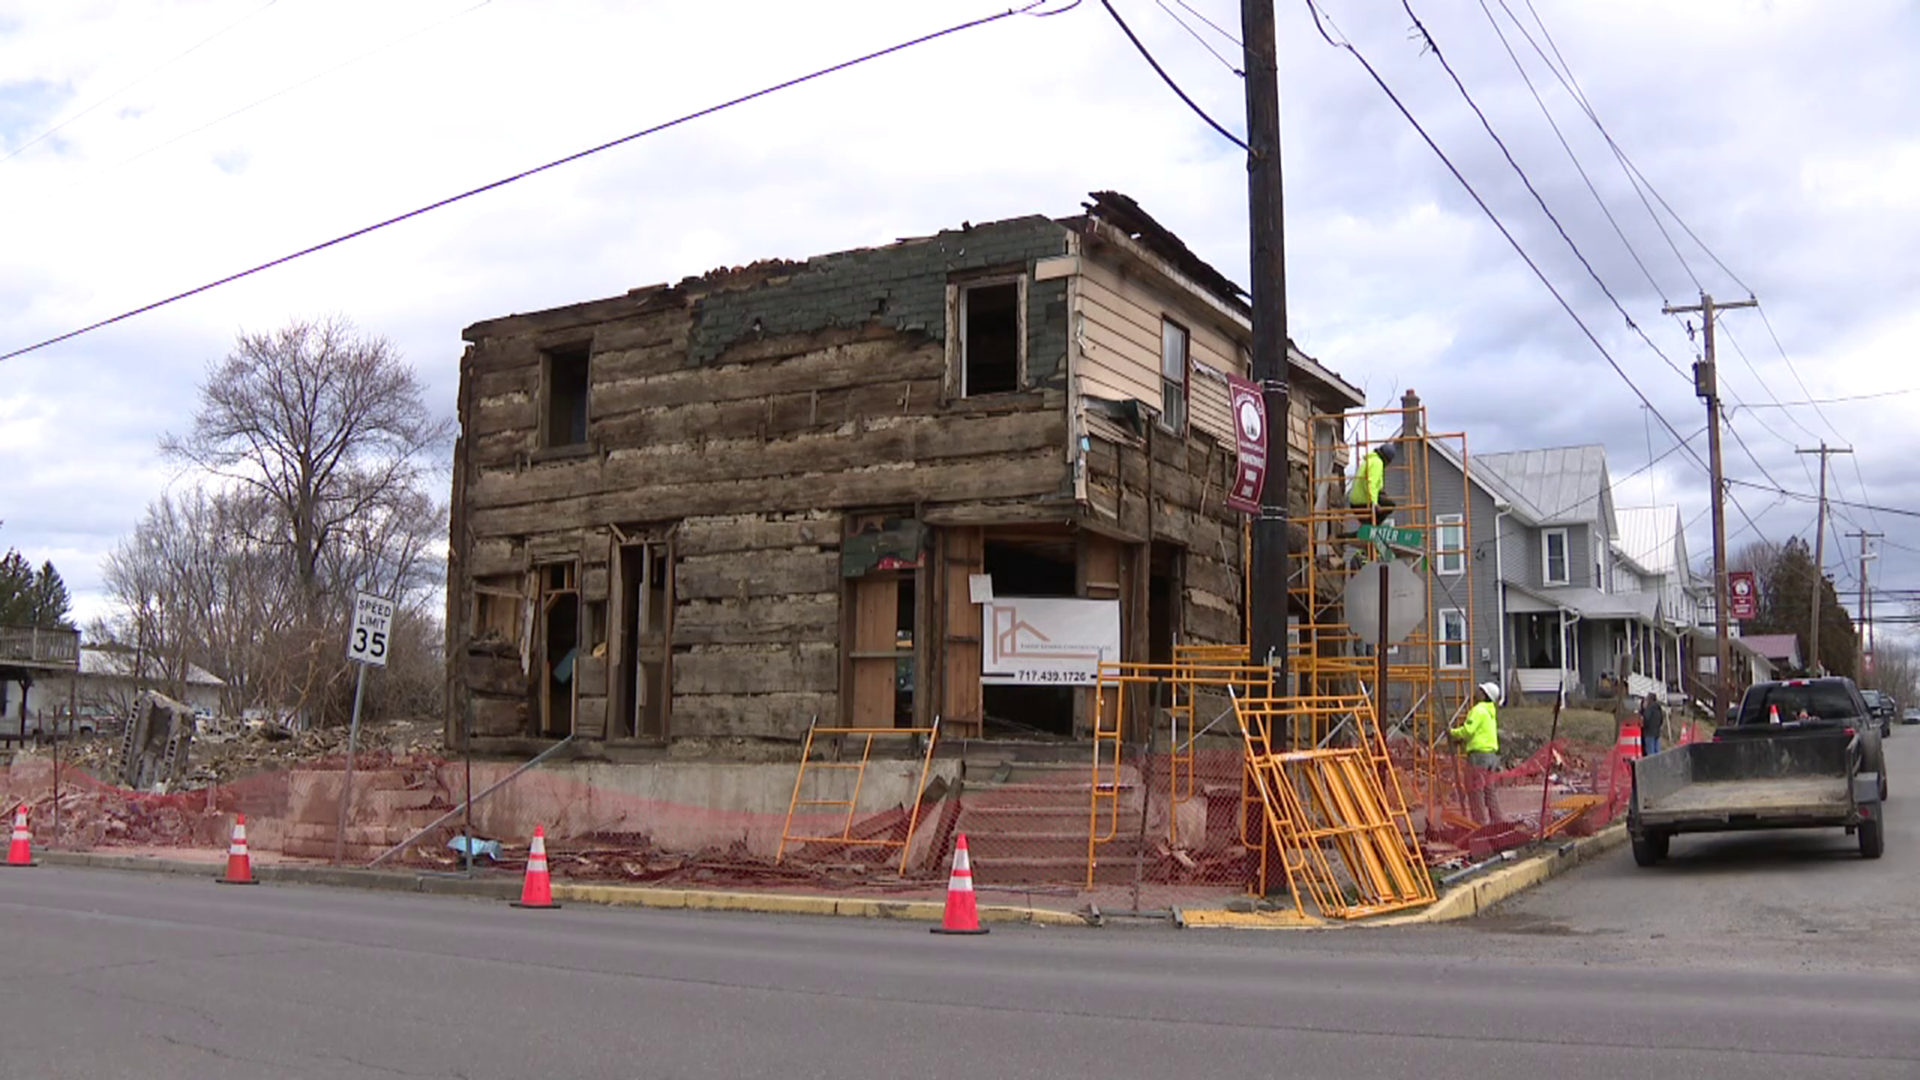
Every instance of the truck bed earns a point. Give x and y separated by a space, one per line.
1791 797
1746 784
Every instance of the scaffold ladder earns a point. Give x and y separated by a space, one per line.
819 803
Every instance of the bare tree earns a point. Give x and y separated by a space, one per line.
328 426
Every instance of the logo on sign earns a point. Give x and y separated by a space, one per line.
1743 596
1250 437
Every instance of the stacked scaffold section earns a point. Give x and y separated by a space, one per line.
1330 805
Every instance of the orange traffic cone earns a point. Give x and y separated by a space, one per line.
239 867
537 892
961 917
20 851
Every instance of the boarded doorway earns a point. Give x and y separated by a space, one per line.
642 642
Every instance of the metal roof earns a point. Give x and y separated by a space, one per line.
115 664
1559 486
1775 646
1587 603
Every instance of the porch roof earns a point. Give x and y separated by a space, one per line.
1587 603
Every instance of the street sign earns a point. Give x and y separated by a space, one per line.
1392 537
1743 596
369 639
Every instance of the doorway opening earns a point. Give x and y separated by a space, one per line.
640 679
1030 567
559 647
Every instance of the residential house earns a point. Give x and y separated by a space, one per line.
1555 605
111 677
1780 651
768 495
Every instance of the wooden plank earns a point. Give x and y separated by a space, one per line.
590 675
875 603
493 675
970 480
909 441
853 364
500 716
801 668
509 413
961 553
1208 625
502 448
763 716
495 557
523 380
590 718
767 573
753 532
1002 512
771 417
758 622
593 582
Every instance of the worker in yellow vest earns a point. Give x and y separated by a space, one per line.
1367 495
1478 736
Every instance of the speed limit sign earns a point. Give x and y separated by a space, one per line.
369 639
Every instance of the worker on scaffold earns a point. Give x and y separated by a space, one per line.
1478 736
1367 495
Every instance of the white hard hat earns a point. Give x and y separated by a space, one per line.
1492 690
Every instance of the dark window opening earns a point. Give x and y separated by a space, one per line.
990 339
566 419
1038 568
904 610
1173 376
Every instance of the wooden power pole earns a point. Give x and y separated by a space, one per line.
1707 385
1866 605
1819 558
1267 572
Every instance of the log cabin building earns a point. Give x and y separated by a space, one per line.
730 506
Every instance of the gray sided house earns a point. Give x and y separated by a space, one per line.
1556 605
729 506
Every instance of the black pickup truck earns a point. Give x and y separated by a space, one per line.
1801 753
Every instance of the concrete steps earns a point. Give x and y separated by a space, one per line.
1026 821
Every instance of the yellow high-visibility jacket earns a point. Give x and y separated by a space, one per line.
1368 481
1479 733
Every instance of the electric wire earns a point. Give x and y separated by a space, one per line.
1217 28
1204 43
1031 8
176 58
1168 79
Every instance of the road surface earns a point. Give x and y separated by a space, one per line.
1800 896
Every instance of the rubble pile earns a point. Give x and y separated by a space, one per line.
220 758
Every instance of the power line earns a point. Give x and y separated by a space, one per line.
1216 26
1568 147
1831 501
1168 79
1834 400
1204 43
1348 45
176 58
1527 181
1030 8
285 90
1572 86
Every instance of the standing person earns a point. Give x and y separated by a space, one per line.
1369 484
1479 737
1652 719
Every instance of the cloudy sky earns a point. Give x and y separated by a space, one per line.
150 146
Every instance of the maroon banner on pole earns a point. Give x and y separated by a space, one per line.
1743 595
1249 411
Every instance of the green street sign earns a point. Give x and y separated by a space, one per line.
1393 537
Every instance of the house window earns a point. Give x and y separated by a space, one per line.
565 422
1450 544
1553 557
1173 376
1453 638
990 339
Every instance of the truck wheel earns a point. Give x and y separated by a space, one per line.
1649 848
1872 842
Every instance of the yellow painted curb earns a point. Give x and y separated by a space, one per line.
787 904
1221 918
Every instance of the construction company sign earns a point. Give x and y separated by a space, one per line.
1249 411
1048 641
1743 595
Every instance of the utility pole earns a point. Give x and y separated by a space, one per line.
1706 385
1819 556
1866 604
1267 573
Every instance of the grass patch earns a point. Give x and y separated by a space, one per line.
1535 722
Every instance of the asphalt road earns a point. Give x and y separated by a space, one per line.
1804 896
106 975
